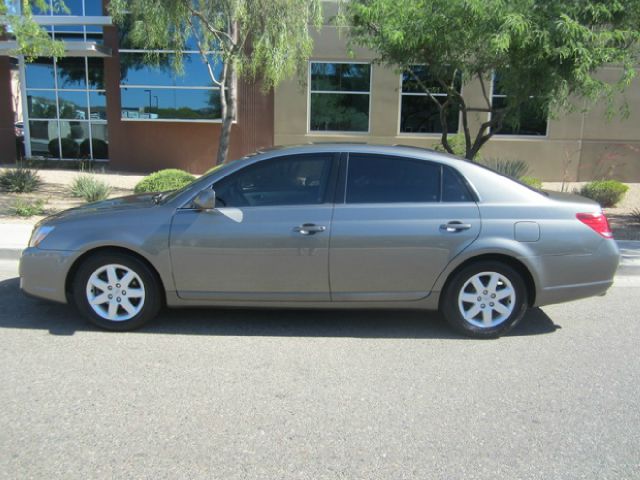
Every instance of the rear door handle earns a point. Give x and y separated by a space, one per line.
309 229
455 226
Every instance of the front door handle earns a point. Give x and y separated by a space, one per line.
309 229
455 226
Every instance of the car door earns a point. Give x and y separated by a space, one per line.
266 240
400 222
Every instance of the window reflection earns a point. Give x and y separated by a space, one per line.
43 134
73 105
40 73
70 107
181 104
134 71
71 72
41 104
339 97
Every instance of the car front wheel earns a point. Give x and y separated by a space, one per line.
485 299
116 291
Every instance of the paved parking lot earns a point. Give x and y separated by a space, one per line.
311 395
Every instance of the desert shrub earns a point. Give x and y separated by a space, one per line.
69 148
100 149
20 180
26 208
532 182
90 188
511 168
606 192
169 179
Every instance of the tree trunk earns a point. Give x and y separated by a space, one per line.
228 101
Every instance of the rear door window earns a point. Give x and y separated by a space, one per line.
387 179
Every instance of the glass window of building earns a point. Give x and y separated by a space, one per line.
418 111
339 97
73 8
529 120
154 91
66 108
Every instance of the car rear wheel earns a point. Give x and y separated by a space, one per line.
116 291
485 299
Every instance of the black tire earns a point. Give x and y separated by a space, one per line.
449 302
153 299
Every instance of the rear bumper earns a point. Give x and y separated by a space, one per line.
571 277
43 273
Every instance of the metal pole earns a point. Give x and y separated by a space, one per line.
25 107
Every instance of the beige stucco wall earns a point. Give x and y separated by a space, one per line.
578 146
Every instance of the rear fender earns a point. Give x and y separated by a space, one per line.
520 251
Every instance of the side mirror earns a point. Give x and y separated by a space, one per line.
205 200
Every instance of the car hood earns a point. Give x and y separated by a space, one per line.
130 202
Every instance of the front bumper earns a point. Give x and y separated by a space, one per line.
43 273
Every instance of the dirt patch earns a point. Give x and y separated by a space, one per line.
55 192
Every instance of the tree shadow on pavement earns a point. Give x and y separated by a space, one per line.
20 311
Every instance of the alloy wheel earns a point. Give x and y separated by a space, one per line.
487 299
115 292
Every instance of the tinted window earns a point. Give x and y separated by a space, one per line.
453 187
294 180
339 97
378 179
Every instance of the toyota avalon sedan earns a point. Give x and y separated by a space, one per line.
328 226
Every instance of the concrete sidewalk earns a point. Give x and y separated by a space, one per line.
14 237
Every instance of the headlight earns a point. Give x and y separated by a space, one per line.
39 234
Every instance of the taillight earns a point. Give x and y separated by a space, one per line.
597 222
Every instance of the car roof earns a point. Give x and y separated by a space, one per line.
406 150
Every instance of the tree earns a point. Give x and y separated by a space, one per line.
547 52
18 24
257 39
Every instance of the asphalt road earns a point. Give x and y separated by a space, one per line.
312 395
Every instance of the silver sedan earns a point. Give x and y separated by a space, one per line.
328 226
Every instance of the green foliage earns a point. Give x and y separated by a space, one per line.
635 215
169 179
90 188
26 208
606 192
533 182
551 50
32 40
511 168
20 180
